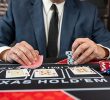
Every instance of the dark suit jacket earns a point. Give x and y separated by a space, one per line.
24 22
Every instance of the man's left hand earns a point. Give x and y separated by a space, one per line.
85 50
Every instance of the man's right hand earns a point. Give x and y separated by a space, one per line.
22 52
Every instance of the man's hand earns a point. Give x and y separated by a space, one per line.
85 50
23 53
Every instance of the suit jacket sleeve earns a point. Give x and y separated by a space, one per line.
100 33
7 28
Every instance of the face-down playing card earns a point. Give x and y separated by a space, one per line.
17 73
38 63
45 73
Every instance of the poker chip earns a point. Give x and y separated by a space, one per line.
69 55
105 67
108 71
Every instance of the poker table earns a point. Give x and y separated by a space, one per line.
66 86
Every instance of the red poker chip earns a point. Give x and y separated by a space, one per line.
64 61
104 65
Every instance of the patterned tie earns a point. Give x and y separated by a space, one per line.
52 48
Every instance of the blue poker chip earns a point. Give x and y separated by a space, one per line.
108 71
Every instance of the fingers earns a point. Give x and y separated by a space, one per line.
84 50
30 48
77 42
14 57
23 53
91 57
37 52
81 49
86 56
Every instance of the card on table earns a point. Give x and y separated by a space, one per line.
82 70
17 73
45 73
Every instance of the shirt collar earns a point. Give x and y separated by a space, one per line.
47 4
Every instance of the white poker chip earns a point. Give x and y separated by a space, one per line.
69 53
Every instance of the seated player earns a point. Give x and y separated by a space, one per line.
50 27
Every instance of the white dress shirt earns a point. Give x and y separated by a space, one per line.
47 17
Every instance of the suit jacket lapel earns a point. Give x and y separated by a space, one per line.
36 13
70 16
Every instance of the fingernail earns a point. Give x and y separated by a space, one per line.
73 57
75 63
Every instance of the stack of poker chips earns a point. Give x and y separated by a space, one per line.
105 67
69 55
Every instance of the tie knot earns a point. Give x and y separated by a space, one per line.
54 7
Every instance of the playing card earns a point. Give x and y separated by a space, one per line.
38 63
45 73
17 73
82 70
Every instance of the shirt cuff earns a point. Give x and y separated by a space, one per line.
3 48
107 49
